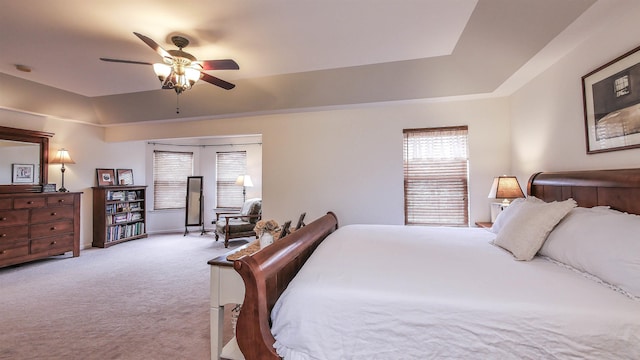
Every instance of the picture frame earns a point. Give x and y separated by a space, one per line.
124 176
49 188
22 173
611 98
106 177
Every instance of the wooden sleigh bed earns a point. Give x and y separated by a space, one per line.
267 273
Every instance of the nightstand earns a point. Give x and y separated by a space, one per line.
226 287
484 224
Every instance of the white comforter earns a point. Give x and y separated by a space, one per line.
396 292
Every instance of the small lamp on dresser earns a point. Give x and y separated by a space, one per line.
62 157
506 188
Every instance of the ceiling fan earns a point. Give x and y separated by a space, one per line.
181 70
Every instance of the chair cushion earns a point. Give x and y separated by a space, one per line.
251 207
235 226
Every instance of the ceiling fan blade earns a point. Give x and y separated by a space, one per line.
218 82
125 61
154 45
226 64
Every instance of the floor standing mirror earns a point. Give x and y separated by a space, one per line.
195 203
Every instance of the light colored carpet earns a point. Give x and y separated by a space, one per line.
143 299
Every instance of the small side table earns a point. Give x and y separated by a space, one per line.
484 224
227 287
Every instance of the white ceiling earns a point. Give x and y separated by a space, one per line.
63 40
453 47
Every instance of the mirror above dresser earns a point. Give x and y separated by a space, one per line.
24 155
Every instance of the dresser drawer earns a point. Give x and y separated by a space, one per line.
13 250
52 213
57 200
52 245
10 234
51 229
6 204
28 202
14 217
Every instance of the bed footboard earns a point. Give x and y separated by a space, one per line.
266 274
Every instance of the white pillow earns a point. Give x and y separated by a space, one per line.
602 242
509 212
527 229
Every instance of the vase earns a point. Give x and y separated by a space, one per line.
265 240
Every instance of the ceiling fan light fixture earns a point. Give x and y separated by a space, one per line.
181 70
162 71
193 75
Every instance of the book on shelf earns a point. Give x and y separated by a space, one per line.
120 232
135 216
132 195
115 195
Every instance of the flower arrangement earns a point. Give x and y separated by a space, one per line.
267 226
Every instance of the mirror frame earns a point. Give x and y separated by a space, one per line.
194 185
30 136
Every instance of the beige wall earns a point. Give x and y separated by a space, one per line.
350 160
547 118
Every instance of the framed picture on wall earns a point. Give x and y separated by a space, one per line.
106 177
611 95
125 176
22 173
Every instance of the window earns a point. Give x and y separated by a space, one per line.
170 172
436 177
230 165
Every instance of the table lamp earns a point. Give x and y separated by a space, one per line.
506 188
62 157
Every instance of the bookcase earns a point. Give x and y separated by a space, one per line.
119 214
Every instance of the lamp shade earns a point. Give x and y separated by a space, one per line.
162 71
192 75
62 157
505 187
244 180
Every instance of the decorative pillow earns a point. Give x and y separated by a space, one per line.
509 212
251 207
602 242
527 229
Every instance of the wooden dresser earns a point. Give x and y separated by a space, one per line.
37 225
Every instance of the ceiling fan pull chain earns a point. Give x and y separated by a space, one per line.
177 103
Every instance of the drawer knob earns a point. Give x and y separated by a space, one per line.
53 214
3 219
3 235
61 200
29 202
53 242
53 228
3 252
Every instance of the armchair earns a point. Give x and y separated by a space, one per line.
234 225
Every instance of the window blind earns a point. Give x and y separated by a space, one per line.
170 172
436 176
229 165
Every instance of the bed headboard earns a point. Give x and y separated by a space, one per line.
619 189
